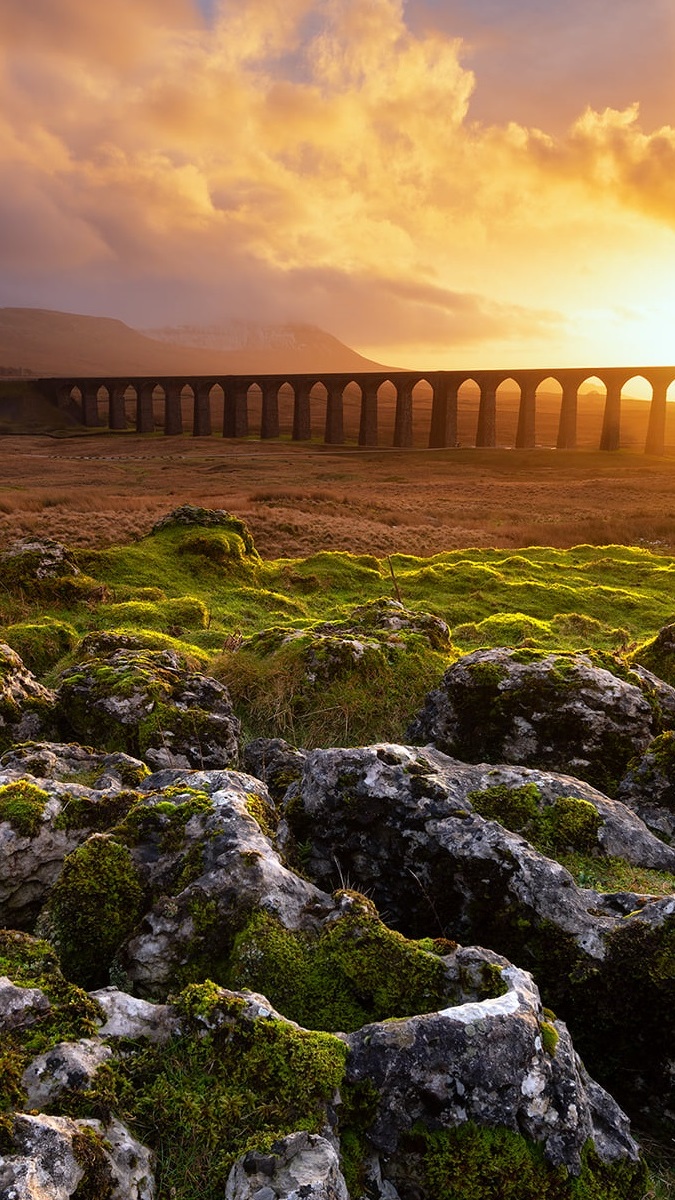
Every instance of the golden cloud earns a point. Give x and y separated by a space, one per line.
303 136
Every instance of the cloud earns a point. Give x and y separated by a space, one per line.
302 157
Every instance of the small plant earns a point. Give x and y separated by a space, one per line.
22 805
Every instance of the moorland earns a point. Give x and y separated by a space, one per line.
539 551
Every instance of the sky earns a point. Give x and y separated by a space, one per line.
439 183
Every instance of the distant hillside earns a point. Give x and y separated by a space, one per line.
56 343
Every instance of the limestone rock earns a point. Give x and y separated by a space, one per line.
302 1166
58 1158
498 1063
66 761
53 819
68 1065
26 707
147 704
387 620
130 1017
275 762
551 711
38 559
227 867
398 823
20 1006
648 786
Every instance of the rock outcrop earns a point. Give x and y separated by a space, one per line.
61 1158
551 711
403 825
26 707
147 704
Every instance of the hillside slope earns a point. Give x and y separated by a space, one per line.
56 343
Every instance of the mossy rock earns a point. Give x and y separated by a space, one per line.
193 514
35 561
42 643
26 706
33 963
551 711
319 689
354 972
22 805
236 1080
658 654
145 702
103 643
566 824
93 906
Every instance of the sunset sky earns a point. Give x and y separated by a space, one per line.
440 183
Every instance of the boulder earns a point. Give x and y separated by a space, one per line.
130 1017
500 1063
37 558
337 681
26 707
400 824
147 704
20 1006
201 846
68 1066
42 821
70 761
552 711
275 762
389 621
648 786
302 1166
194 514
61 1158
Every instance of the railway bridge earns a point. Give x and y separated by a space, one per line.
104 400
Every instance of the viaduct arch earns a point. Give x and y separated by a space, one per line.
84 395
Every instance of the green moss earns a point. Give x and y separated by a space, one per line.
163 820
616 875
101 644
569 823
98 1181
22 805
96 813
94 904
263 813
32 963
213 1094
41 643
356 971
486 674
549 1037
476 1163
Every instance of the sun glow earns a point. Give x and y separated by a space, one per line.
322 163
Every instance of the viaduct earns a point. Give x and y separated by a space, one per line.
87 396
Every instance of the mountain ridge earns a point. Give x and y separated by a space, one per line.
50 342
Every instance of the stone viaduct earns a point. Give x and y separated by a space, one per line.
86 396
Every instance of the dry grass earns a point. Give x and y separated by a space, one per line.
105 488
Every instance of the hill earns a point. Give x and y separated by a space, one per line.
56 343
